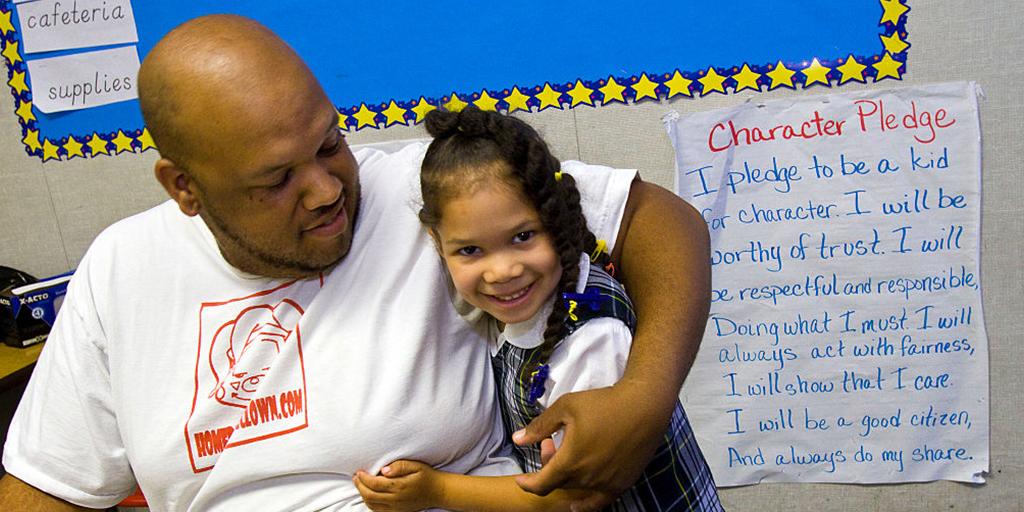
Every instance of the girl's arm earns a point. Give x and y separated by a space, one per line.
409 485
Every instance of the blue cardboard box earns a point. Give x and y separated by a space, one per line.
28 311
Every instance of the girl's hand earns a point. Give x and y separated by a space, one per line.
547 450
403 485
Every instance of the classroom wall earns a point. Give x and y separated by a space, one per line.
50 213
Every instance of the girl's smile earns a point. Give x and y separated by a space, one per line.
500 258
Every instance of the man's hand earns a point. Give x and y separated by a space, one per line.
610 435
402 486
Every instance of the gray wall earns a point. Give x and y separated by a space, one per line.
51 212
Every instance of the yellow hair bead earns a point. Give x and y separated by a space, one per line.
558 175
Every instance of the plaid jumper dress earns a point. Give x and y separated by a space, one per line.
676 479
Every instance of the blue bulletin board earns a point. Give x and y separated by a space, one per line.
388 63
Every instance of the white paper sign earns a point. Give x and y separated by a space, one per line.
846 341
48 25
84 80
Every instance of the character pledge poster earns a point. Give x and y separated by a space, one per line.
846 341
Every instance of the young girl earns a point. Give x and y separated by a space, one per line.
509 226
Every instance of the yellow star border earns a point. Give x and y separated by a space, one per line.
486 102
888 64
98 145
394 114
50 150
73 148
6 27
122 142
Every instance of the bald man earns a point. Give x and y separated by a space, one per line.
283 322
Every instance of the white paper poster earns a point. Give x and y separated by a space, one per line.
84 80
846 341
48 25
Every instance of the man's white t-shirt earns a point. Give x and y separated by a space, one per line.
217 390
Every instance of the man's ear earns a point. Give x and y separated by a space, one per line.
179 185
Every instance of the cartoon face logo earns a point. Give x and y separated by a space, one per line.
244 349
250 380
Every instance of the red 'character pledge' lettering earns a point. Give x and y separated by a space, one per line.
726 135
872 112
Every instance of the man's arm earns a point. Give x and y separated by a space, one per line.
666 259
662 255
17 495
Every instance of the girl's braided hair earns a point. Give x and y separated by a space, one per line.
473 145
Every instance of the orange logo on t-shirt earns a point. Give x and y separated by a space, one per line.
244 345
250 382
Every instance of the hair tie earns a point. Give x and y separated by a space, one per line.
558 175
601 246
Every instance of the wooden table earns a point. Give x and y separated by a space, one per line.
16 364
